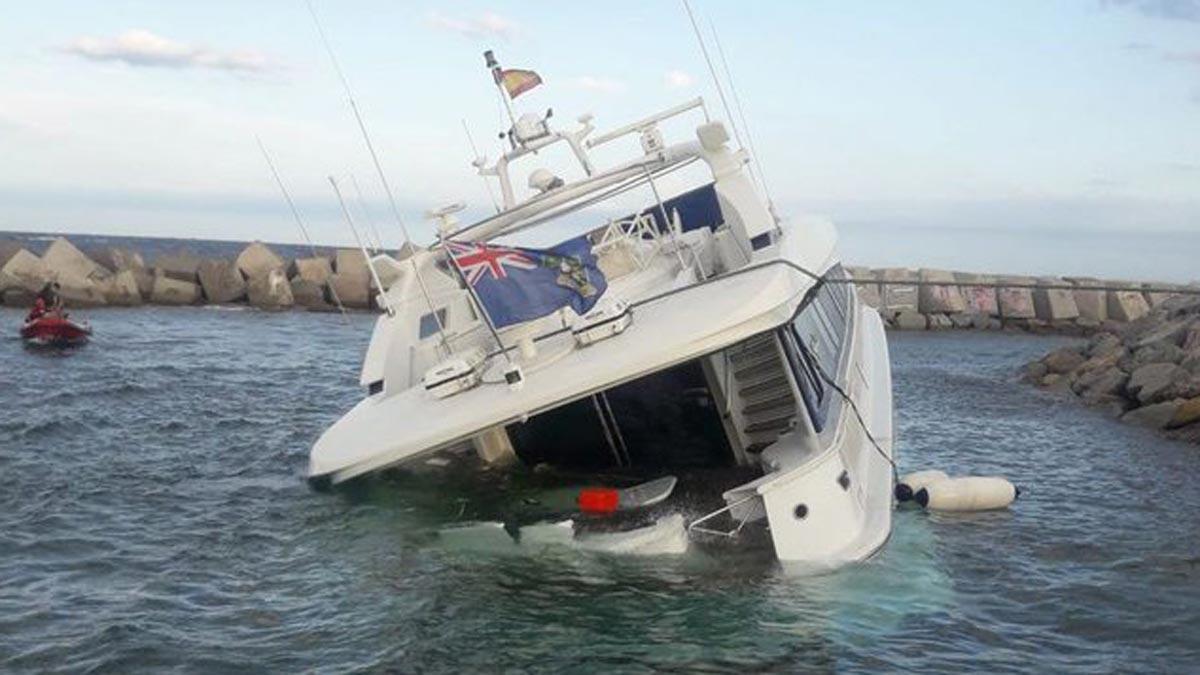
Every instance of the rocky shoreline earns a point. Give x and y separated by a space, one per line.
1146 372
257 276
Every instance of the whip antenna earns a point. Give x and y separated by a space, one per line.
299 221
387 188
737 102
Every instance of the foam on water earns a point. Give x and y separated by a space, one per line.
155 516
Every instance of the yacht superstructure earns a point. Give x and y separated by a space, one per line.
721 338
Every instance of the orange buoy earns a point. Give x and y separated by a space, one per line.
598 500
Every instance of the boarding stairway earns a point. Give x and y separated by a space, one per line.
761 392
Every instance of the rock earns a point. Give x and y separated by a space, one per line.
1191 364
1104 343
1187 413
939 322
979 299
309 294
25 270
168 291
181 265
910 320
1054 304
63 260
354 291
1190 340
78 291
1063 360
1155 416
122 289
897 297
1100 385
1171 333
964 320
1150 383
1015 301
145 282
1155 298
1126 305
270 291
1034 372
1155 353
257 260
316 270
939 299
221 282
117 259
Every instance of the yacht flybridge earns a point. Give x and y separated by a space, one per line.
709 336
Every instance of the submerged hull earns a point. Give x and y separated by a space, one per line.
50 331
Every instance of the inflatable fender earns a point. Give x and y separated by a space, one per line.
911 483
974 493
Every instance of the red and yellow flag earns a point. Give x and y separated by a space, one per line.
517 82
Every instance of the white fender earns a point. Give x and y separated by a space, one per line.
973 493
912 482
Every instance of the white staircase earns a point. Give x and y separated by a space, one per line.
763 395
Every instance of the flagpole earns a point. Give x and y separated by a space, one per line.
498 78
487 319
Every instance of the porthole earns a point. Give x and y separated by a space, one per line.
801 511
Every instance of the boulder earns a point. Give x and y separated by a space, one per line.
1187 413
309 294
1155 353
1016 302
25 270
1126 306
1054 304
221 282
1191 364
1151 383
182 265
270 291
940 322
1102 344
316 270
257 260
352 290
1034 372
1190 340
1101 385
169 291
1062 361
122 289
1169 332
910 320
898 297
117 259
1155 416
964 320
945 299
1155 298
979 299
63 260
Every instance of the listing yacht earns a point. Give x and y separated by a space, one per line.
723 339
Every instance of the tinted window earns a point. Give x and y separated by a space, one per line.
429 326
815 344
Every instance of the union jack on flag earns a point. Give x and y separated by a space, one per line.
520 284
476 260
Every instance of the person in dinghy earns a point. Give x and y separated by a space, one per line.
48 301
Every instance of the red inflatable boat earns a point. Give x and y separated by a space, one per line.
52 330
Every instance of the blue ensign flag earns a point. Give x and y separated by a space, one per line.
520 284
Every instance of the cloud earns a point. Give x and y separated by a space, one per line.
143 48
485 25
1176 10
677 79
603 85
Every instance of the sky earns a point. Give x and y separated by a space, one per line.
139 117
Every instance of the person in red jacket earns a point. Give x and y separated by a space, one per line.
38 311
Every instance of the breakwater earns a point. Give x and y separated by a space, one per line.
130 272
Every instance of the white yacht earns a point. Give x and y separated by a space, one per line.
724 339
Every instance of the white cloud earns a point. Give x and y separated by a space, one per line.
143 48
485 25
603 85
677 79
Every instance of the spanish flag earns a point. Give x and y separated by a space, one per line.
517 82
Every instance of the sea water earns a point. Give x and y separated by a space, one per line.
154 516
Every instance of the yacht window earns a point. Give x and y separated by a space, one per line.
812 387
429 326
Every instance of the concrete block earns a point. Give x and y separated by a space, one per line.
26 270
1054 304
1127 306
270 291
182 265
257 259
316 270
939 299
168 291
980 300
63 260
221 282
898 297
1016 302
354 291
122 289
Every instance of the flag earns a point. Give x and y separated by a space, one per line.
521 284
517 82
